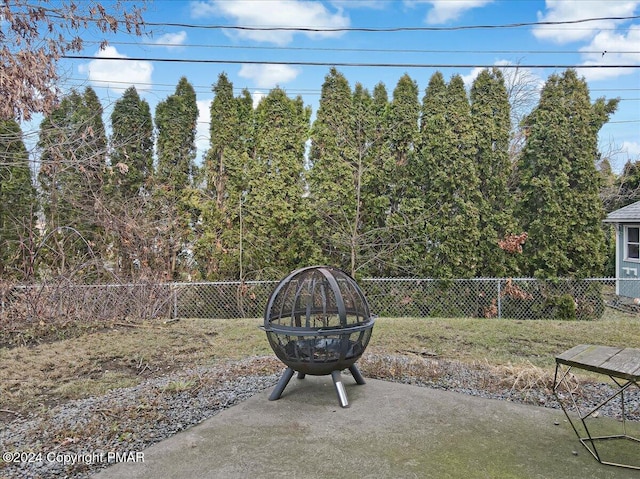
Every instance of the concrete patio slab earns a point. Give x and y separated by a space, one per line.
390 430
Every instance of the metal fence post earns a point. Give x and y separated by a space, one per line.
175 303
499 299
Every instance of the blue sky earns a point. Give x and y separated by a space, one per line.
447 42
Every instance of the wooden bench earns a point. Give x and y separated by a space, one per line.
622 365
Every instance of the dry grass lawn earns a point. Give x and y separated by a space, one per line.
95 360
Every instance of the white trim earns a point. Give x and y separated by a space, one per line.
625 248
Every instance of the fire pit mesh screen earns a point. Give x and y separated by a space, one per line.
318 322
311 300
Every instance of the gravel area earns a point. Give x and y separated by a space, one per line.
125 420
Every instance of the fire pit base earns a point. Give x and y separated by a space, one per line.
337 382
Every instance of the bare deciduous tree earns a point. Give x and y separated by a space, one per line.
36 34
617 190
523 91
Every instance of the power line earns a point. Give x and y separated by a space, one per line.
296 90
342 64
387 29
370 50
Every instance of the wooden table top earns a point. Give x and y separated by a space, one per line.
621 363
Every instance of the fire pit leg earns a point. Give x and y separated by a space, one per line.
282 383
355 372
342 394
301 375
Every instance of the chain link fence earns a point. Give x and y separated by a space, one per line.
393 297
490 298
485 298
64 300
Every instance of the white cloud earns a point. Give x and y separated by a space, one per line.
443 11
632 149
268 76
273 13
469 79
372 4
257 97
568 10
610 48
172 40
619 154
117 75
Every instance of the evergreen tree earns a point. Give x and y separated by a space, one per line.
403 136
94 157
246 122
558 197
347 186
331 180
370 250
127 183
406 215
131 146
73 144
386 229
448 154
431 174
224 138
377 186
490 112
18 205
175 119
217 249
275 237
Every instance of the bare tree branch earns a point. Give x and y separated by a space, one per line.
35 37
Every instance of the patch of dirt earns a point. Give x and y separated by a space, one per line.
43 333
89 360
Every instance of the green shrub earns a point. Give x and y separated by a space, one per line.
561 307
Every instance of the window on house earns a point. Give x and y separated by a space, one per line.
633 242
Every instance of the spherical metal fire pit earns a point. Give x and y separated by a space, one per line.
318 322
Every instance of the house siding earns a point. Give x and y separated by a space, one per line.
628 272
